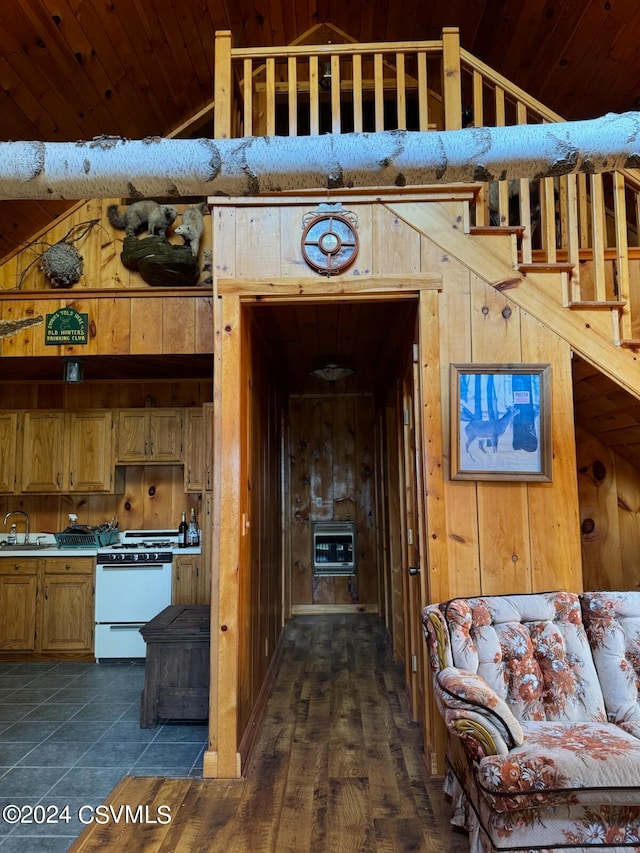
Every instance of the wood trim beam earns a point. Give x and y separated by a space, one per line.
333 286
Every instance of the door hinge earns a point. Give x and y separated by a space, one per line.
409 536
414 663
405 414
415 353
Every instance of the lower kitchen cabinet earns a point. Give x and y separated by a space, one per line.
68 605
47 605
186 583
18 588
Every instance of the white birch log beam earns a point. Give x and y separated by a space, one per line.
110 167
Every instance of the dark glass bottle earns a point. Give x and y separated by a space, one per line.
182 531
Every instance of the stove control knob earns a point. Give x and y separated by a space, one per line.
134 556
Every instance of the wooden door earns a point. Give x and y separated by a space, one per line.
165 435
186 584
132 441
414 562
18 605
43 452
90 451
194 450
67 613
8 429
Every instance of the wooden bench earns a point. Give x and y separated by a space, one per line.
176 685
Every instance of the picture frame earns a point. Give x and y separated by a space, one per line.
501 422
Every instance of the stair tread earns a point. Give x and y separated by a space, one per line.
546 266
592 305
497 229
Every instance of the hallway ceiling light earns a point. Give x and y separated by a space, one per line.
332 372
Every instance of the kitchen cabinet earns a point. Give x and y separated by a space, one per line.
47 605
67 608
43 452
194 450
90 451
8 432
149 435
18 586
186 582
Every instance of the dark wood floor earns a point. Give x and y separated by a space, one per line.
337 765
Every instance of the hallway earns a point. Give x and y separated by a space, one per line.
337 765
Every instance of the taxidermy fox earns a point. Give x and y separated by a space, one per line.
143 215
191 227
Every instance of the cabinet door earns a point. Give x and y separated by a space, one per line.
194 447
43 452
90 455
207 410
18 607
132 441
186 580
8 430
165 435
67 613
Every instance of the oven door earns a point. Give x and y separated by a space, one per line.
132 593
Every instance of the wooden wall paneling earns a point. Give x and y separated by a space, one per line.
113 273
114 326
203 341
599 514
553 507
223 239
503 515
460 497
628 491
363 264
321 420
381 521
179 325
345 506
9 275
396 246
146 325
258 257
368 555
291 229
21 343
300 466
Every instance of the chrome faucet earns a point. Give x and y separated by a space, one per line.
26 522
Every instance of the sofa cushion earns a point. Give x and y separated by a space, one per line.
532 650
612 622
564 764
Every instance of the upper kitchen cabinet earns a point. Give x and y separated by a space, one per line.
149 435
90 451
8 430
43 454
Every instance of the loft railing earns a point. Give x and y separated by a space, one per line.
588 225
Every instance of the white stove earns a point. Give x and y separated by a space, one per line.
133 584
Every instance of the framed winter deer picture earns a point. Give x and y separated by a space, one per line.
501 422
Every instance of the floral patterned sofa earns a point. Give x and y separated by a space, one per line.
539 694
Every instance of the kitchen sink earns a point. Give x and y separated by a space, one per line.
21 546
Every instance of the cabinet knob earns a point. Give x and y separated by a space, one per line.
67 566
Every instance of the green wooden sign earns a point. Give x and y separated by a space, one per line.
67 326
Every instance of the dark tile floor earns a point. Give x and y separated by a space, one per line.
69 731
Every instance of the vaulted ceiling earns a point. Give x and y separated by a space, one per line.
75 69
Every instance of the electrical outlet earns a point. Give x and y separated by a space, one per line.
319 503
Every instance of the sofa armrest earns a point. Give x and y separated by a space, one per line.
466 696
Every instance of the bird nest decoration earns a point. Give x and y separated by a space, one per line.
61 262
